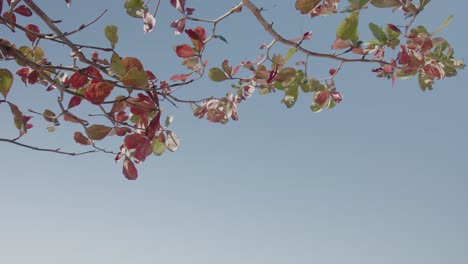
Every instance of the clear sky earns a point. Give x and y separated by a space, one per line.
382 178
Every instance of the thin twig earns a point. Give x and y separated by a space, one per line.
58 151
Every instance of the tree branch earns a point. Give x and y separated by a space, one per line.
269 28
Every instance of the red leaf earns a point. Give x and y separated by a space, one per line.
10 17
23 10
34 30
23 73
185 51
141 105
180 77
98 92
33 77
74 101
321 98
129 170
81 139
198 36
154 126
121 116
122 131
77 80
150 75
93 72
141 144
134 140
403 56
143 151
332 72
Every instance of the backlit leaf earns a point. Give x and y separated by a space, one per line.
135 78
6 80
443 25
98 132
97 92
117 65
111 33
348 29
158 147
378 33
289 54
217 75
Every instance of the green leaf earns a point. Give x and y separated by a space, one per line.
348 29
158 147
291 95
133 6
98 132
378 33
221 38
385 3
289 54
135 78
137 4
6 81
443 25
116 65
355 5
112 35
315 107
286 75
306 6
217 75
38 54
392 34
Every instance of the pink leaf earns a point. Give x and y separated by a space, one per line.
180 77
149 22
178 26
179 5
336 96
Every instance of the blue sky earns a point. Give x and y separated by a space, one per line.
382 178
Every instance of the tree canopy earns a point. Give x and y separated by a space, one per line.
105 93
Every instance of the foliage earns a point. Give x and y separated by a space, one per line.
130 97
